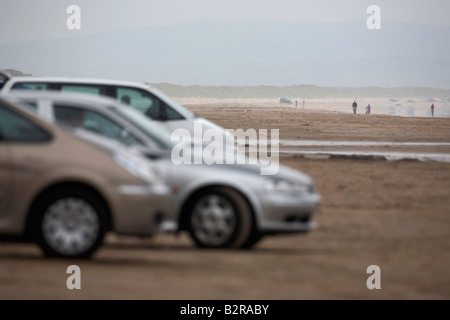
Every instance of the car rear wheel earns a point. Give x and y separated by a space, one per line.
220 218
69 223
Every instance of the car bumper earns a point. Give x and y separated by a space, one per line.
139 210
288 214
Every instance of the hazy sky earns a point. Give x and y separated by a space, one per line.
22 20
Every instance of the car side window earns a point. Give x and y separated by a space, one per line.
94 122
16 128
151 106
80 88
141 101
171 114
30 86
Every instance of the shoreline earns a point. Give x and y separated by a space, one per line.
380 106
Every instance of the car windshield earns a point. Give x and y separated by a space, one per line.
150 128
173 103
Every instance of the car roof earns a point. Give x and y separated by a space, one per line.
79 80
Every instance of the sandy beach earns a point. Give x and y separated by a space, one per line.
393 214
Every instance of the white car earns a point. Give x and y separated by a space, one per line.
150 101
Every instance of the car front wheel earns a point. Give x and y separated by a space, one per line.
69 223
220 218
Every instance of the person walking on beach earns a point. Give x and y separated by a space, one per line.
368 109
432 109
354 106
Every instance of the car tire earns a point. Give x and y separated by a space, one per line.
69 223
254 238
220 218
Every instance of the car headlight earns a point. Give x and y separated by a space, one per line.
138 167
288 187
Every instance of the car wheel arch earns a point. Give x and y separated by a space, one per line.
183 219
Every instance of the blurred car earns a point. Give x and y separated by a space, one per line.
64 190
285 100
220 205
148 100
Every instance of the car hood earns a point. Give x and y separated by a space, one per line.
217 171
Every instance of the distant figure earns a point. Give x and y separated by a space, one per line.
432 109
303 104
368 109
354 106
285 100
296 103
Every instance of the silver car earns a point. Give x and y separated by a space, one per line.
220 205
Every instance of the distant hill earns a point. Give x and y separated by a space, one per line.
248 53
303 91
275 92
15 73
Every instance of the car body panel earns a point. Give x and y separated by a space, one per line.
271 210
5 179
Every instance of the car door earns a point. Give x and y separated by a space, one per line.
20 157
79 116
